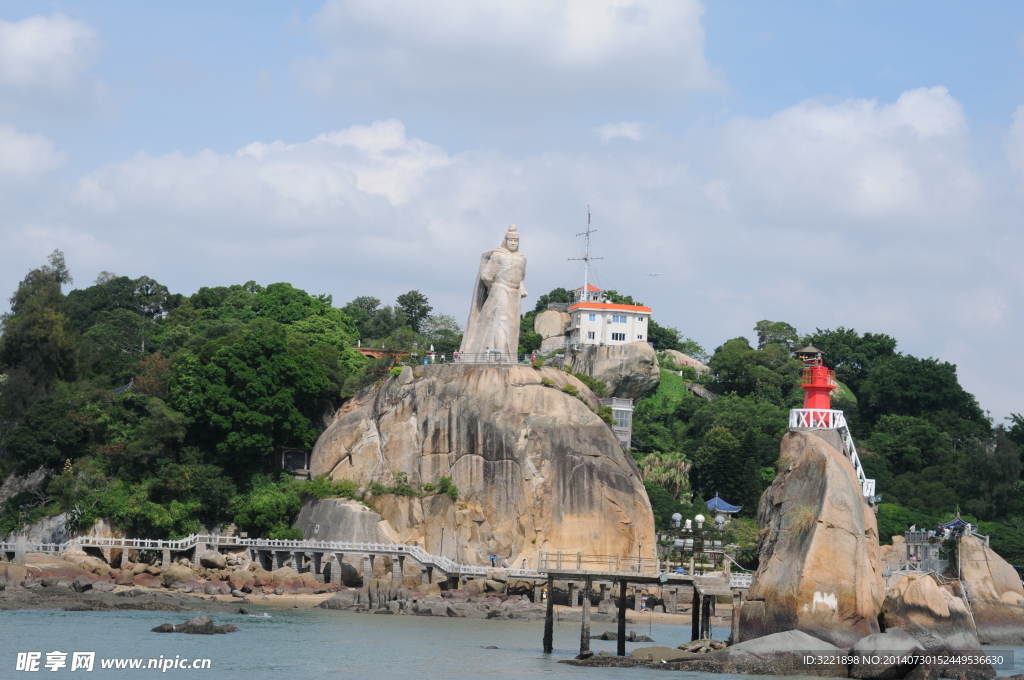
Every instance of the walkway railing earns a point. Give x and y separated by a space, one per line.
834 420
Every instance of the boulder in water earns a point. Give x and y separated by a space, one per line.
818 550
995 591
930 613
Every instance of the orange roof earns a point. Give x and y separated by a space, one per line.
608 305
589 288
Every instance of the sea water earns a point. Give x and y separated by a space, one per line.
293 644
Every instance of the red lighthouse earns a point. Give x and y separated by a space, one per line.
818 380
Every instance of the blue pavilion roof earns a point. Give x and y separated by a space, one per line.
716 504
955 524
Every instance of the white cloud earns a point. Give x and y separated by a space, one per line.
272 183
45 66
612 130
25 155
853 159
503 56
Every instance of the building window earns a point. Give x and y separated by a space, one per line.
622 417
619 336
639 337
618 318
593 317
640 319
590 335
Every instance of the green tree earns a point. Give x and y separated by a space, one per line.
771 372
925 388
850 354
910 444
414 304
38 344
117 343
46 436
443 332
260 389
776 333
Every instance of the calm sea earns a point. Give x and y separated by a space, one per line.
299 644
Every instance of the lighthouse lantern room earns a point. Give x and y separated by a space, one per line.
818 379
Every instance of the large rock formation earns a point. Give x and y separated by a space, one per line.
930 613
818 550
631 371
535 467
683 360
996 593
552 327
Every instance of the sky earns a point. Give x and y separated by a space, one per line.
836 163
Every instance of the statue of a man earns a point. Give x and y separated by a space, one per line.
497 293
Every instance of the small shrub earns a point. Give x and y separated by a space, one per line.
377 489
599 388
447 487
804 517
537 363
606 414
395 372
571 389
429 488
547 382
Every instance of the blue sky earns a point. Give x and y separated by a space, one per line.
831 163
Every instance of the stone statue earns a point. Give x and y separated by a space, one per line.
497 293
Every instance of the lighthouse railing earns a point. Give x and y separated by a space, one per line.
830 419
815 417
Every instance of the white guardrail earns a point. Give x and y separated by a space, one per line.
444 564
834 420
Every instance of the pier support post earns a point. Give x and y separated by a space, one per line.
695 615
549 618
585 618
570 589
318 563
705 616
336 559
367 571
621 644
604 595
166 558
279 559
673 601
299 561
737 601
397 567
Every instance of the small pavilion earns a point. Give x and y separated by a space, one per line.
718 506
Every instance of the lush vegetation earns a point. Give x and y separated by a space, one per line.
169 414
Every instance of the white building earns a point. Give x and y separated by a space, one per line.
593 321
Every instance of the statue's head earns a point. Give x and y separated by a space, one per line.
511 242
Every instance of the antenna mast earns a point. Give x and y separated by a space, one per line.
586 257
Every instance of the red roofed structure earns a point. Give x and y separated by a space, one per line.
595 321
